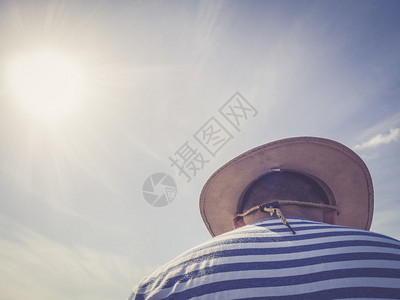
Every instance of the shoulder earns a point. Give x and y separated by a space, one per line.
228 263
193 263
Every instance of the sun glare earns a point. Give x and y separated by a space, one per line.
46 85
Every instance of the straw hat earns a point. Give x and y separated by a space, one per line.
333 164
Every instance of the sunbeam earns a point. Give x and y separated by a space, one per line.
45 84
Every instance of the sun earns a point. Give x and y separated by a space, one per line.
45 84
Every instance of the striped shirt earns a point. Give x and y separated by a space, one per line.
265 260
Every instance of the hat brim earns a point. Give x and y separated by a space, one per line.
340 168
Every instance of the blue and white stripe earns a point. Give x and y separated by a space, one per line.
265 260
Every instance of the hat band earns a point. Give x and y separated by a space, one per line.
274 208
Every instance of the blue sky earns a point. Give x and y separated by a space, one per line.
74 223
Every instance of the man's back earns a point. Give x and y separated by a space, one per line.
265 260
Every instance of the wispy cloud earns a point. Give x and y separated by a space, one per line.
34 266
380 139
